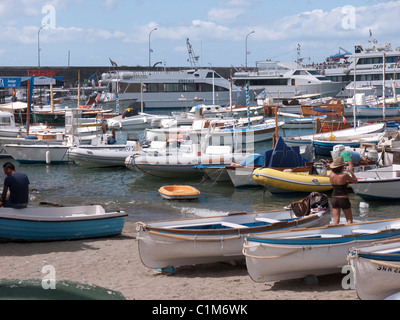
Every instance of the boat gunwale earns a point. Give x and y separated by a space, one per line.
232 231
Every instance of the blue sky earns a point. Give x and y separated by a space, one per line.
94 31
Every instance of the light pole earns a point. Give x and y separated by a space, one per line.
150 46
246 45
38 41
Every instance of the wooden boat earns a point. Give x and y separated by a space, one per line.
281 180
176 192
376 269
174 243
65 290
59 223
315 251
357 132
334 109
324 147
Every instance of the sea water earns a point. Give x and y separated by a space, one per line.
137 194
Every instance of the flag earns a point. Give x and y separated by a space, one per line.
344 120
113 63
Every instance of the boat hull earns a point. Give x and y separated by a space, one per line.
316 251
56 224
277 181
216 239
27 154
376 269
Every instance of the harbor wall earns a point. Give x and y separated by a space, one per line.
70 74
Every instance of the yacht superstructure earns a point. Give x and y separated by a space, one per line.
286 80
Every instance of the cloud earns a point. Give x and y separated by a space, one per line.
228 11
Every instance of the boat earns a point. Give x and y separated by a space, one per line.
104 156
136 121
173 243
56 153
64 290
176 192
180 163
375 269
59 223
286 80
281 156
378 184
294 180
369 63
167 89
324 147
220 131
357 132
319 251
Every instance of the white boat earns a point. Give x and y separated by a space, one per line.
181 164
316 251
368 63
220 132
167 89
286 80
56 153
59 223
140 121
38 153
90 157
375 269
357 132
175 243
378 184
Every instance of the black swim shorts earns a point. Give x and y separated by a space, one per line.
341 203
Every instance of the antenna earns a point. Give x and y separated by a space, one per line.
193 59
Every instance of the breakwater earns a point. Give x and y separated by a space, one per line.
70 74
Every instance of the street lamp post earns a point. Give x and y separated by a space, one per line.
246 45
150 46
39 45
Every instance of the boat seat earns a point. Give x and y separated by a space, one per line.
267 220
364 231
233 225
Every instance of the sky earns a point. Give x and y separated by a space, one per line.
90 33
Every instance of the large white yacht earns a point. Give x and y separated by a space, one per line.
286 80
372 63
167 89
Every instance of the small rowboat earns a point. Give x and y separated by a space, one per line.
376 269
179 192
316 251
172 243
59 223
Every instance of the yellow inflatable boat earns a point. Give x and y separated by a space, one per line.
292 180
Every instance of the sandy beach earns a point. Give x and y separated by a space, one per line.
114 263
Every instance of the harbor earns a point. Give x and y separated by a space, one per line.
273 179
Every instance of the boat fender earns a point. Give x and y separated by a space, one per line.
31 138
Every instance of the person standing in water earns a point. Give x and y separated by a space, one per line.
340 196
